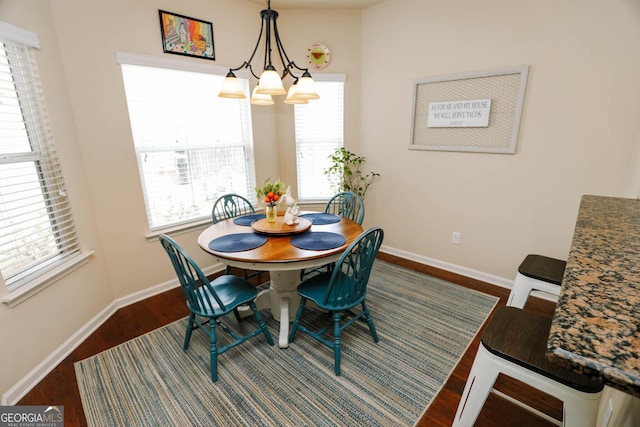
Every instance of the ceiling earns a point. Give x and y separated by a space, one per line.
318 4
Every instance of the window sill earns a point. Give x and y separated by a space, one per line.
311 202
179 229
23 293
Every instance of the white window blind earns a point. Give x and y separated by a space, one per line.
37 232
319 132
192 146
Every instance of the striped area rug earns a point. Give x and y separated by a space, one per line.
425 325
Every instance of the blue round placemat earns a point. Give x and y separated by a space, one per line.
318 240
322 218
237 242
248 219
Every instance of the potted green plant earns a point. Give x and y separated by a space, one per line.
345 172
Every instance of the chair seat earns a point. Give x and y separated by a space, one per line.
521 337
315 289
543 268
233 291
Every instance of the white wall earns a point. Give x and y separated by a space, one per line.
578 135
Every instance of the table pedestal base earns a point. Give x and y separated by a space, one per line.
283 300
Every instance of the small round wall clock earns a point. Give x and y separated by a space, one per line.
318 56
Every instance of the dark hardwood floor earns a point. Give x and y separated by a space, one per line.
60 387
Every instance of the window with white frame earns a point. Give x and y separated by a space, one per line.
319 132
37 231
192 146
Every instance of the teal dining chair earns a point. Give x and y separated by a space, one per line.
230 206
210 301
347 205
340 291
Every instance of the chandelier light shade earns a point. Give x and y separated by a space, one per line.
291 99
260 99
270 81
306 88
231 88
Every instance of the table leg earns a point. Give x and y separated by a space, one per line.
284 301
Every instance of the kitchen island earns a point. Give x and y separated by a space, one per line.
596 325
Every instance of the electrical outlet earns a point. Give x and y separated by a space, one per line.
607 414
455 238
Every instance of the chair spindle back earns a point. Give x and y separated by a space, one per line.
347 205
230 206
201 297
350 277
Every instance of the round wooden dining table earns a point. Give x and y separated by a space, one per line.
280 257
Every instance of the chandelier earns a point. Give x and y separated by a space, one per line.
270 82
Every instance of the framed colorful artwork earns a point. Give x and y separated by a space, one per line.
182 35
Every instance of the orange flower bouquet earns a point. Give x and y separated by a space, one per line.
271 194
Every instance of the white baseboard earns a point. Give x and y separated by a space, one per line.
22 387
467 272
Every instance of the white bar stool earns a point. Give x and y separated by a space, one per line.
536 273
514 343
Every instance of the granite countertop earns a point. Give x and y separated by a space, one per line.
596 325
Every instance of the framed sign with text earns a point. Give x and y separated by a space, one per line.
473 112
